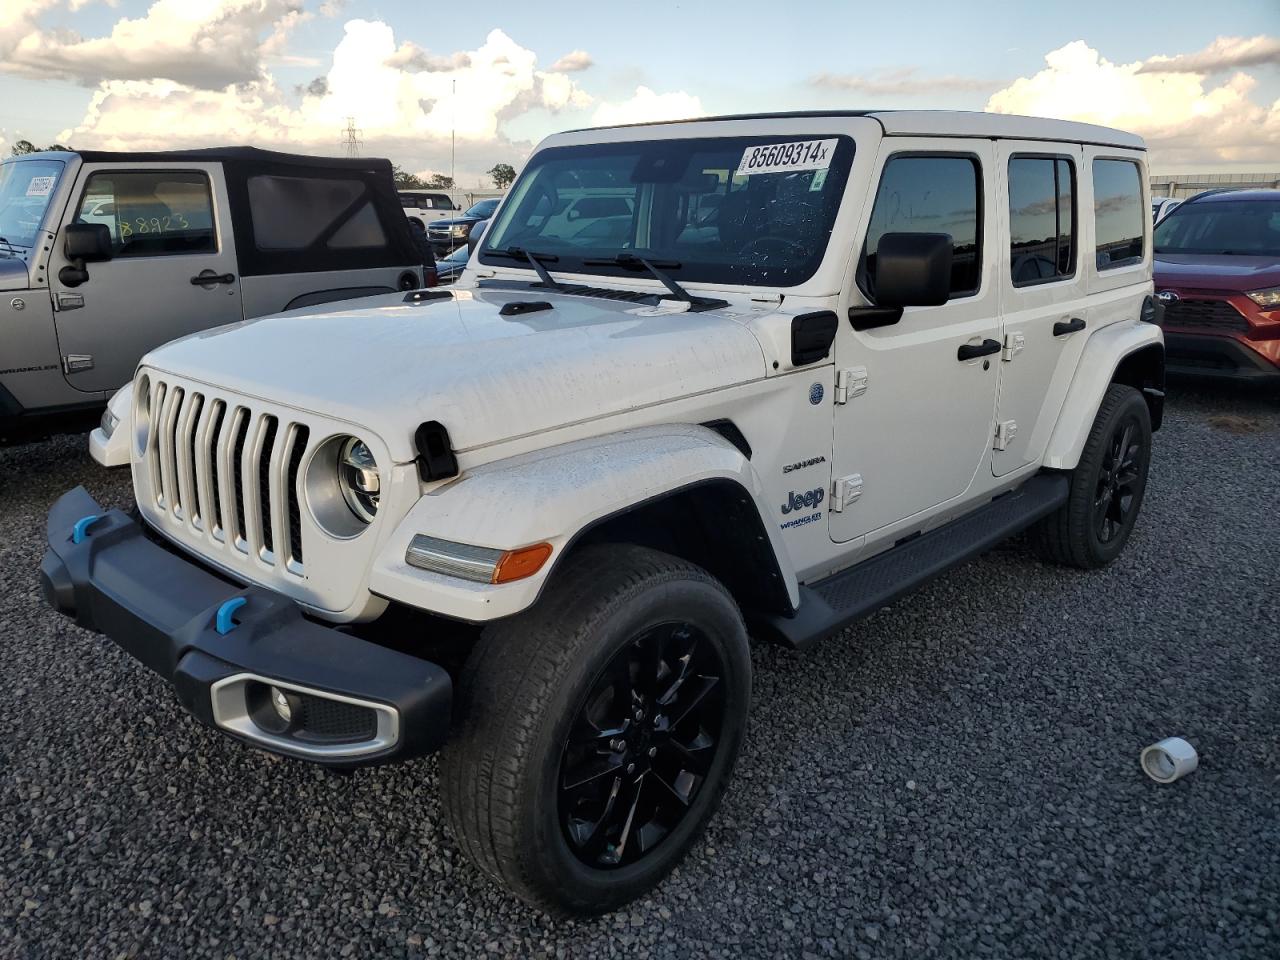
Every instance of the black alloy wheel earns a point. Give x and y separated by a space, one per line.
1117 482
641 745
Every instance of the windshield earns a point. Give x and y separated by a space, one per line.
25 189
734 210
458 256
482 209
1246 228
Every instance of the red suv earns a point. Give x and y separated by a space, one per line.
1217 274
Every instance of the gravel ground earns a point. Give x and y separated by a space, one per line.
956 776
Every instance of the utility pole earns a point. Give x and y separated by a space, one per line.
351 142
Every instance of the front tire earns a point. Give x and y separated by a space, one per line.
1107 486
596 732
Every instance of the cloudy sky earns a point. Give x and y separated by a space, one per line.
1200 80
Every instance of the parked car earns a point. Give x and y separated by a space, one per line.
591 467
450 268
1217 276
425 207
1162 206
446 235
106 255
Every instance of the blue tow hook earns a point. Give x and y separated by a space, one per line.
223 623
81 528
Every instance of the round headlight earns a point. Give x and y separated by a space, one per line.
358 479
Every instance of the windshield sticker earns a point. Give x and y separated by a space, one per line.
819 179
40 186
787 157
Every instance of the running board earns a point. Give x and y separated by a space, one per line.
828 606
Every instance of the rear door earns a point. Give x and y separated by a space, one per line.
1042 294
173 269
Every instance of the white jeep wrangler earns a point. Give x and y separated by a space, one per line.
815 361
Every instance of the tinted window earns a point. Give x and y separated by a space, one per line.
483 209
296 213
929 195
152 213
1117 212
735 210
1042 222
1244 228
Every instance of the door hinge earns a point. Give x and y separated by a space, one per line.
1013 344
76 363
845 490
1006 430
850 383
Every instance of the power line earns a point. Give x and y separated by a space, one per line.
351 142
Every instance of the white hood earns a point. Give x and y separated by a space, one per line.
484 376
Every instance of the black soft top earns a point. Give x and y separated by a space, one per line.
253 212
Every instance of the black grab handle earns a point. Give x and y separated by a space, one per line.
971 351
206 278
1073 326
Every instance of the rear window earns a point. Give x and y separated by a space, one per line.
1118 218
299 213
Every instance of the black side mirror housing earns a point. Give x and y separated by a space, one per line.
87 242
913 269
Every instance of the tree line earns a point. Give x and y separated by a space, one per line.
502 175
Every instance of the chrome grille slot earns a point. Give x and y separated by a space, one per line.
229 475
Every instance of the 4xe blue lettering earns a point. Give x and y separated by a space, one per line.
803 501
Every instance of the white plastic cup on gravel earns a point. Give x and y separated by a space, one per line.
1169 760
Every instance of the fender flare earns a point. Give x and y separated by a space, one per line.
554 496
1096 370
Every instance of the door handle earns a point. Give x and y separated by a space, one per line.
206 277
971 351
1075 325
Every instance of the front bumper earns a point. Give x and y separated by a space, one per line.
1217 357
164 611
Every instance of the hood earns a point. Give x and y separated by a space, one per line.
444 222
486 377
1233 273
13 274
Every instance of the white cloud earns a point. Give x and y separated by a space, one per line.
200 43
1184 119
1225 53
903 82
646 106
573 62
400 96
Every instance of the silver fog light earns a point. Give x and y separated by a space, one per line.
358 478
280 701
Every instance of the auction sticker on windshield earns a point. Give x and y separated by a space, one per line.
40 186
787 157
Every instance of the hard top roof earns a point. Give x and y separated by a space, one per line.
947 123
238 155
1227 193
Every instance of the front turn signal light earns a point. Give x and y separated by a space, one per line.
518 564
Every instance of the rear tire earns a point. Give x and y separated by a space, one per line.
1107 487
597 731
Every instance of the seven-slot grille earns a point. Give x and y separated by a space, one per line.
1208 314
228 472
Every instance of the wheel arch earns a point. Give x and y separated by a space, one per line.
1129 353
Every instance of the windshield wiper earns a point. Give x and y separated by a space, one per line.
13 251
656 268
629 261
534 260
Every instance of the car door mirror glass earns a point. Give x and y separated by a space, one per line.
913 269
87 242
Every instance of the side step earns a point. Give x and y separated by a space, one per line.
828 606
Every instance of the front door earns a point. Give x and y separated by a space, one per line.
919 432
172 272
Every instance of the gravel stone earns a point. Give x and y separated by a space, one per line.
1010 698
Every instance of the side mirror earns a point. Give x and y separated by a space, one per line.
913 269
87 242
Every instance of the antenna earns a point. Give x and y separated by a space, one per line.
351 142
